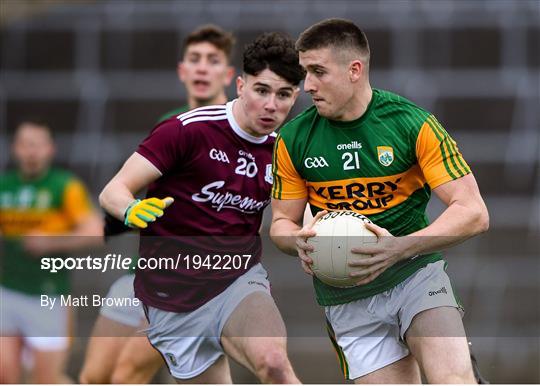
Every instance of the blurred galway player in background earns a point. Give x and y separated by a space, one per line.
215 162
205 68
115 353
38 202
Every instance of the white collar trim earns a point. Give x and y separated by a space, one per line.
238 130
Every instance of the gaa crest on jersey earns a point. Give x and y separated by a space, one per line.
268 175
385 155
43 199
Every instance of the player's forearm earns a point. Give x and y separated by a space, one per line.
283 235
88 234
115 198
455 225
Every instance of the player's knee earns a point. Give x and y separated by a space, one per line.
123 373
83 379
89 377
273 366
461 375
120 377
45 377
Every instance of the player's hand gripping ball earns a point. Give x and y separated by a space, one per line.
337 234
140 212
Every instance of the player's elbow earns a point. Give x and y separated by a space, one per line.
93 227
273 235
484 223
104 196
273 230
481 220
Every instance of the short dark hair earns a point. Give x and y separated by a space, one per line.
339 33
275 51
212 34
34 121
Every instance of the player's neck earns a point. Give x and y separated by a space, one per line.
358 104
220 99
34 175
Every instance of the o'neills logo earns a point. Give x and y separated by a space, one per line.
221 199
441 291
349 146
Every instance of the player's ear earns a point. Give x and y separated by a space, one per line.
355 70
229 75
296 92
52 150
240 83
181 71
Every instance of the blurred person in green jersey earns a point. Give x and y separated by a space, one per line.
380 155
38 203
117 353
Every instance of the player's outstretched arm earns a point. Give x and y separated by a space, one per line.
117 198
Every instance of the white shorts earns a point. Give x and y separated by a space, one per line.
42 328
129 315
190 341
368 334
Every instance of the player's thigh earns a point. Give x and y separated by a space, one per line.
129 315
405 370
10 359
218 373
254 329
138 362
437 339
188 342
104 347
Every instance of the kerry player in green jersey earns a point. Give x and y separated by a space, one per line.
37 202
116 353
378 154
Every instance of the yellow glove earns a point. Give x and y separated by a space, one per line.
140 212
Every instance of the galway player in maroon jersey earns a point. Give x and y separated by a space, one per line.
116 353
208 173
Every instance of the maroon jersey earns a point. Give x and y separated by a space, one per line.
220 178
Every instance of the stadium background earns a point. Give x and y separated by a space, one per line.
101 72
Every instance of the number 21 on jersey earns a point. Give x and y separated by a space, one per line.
351 161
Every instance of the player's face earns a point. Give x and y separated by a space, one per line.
328 82
264 102
33 149
205 72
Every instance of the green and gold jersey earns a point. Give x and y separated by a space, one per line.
171 113
382 165
52 204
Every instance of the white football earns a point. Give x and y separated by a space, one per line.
337 234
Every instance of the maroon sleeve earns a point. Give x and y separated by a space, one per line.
165 146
